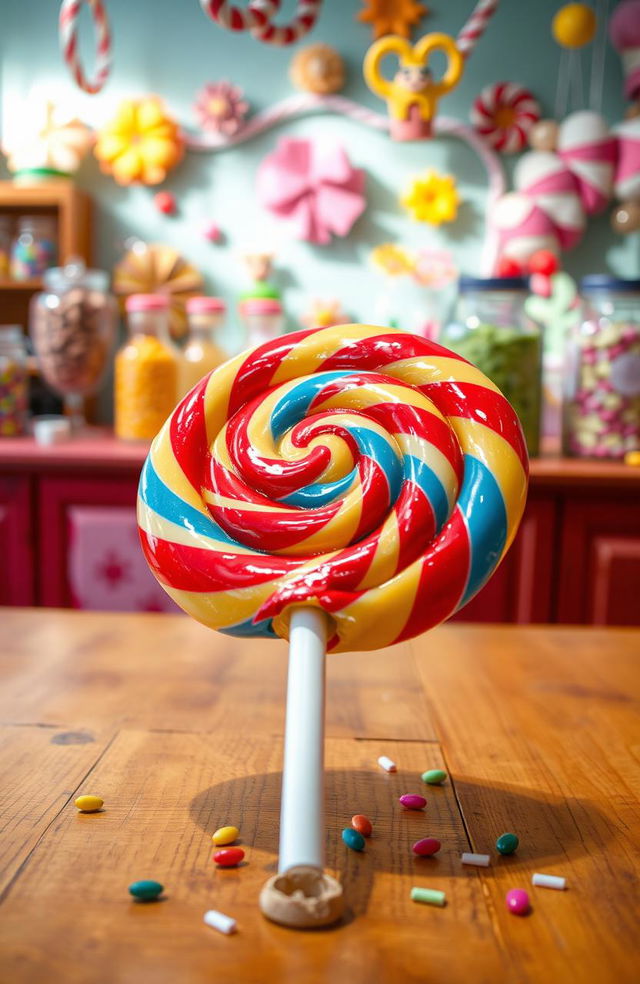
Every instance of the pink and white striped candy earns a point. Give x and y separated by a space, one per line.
503 115
587 147
627 177
543 177
257 19
522 227
69 43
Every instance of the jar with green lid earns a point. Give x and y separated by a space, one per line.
491 330
601 406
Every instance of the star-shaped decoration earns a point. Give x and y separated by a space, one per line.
392 16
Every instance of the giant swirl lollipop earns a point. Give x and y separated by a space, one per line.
344 488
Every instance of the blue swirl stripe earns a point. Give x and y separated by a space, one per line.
425 478
295 403
482 506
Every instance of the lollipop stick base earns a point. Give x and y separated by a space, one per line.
303 897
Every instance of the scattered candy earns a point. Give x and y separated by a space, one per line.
478 860
434 777
426 847
146 890
362 824
165 202
228 857
411 801
517 901
218 920
213 233
89 804
387 764
225 835
429 895
507 843
548 881
545 262
353 839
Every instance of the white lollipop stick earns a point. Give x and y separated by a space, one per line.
301 895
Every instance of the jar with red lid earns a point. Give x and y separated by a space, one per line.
202 353
263 318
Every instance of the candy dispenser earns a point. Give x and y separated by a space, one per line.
73 325
601 411
201 353
14 382
34 247
146 370
492 331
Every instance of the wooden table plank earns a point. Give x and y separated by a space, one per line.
69 918
39 770
93 670
543 740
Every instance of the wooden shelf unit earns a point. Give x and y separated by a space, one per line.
71 208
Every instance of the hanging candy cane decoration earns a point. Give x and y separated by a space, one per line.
476 26
258 16
69 43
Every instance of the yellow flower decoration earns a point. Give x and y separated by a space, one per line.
392 259
432 198
140 144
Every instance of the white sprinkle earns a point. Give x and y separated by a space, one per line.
218 920
549 881
479 860
387 764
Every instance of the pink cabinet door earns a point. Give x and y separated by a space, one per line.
16 541
90 552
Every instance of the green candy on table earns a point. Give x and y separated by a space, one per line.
511 360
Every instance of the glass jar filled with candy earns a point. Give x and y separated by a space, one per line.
263 318
146 370
34 247
201 353
492 331
601 410
14 381
5 245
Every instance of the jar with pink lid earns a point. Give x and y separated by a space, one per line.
202 353
146 370
263 318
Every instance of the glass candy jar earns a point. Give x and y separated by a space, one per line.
492 331
263 318
14 381
73 326
146 370
34 247
601 409
201 353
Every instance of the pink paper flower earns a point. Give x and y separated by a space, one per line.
221 108
313 188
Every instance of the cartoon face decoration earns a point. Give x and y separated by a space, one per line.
413 78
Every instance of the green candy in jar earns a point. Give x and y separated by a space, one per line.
492 331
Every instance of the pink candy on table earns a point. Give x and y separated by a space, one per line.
411 801
517 901
426 847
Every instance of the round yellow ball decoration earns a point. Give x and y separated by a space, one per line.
574 25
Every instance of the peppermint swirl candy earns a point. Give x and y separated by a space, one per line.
357 469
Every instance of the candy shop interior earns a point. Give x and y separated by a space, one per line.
319 491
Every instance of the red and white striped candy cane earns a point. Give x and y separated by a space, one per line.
476 26
69 43
257 19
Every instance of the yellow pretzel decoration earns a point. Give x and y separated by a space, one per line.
399 99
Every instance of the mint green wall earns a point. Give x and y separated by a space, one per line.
169 47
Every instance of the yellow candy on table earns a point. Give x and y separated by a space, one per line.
89 804
225 835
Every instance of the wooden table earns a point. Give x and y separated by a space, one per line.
179 730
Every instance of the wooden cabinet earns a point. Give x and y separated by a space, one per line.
71 210
576 557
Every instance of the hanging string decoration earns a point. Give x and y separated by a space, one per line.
257 19
67 26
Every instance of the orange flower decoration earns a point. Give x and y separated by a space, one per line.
140 144
392 16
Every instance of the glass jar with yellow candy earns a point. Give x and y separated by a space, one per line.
146 370
201 353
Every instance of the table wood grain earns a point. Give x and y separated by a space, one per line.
179 730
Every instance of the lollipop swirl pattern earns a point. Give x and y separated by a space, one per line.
358 469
